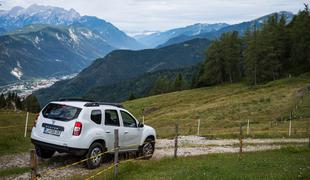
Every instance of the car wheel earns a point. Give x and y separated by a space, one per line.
147 149
94 155
44 153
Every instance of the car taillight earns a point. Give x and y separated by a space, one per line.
35 121
77 129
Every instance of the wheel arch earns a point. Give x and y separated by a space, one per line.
101 141
152 137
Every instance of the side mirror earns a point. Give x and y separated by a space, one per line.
140 125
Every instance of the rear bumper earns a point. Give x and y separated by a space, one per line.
58 148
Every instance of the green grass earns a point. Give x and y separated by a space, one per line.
13 171
287 163
222 108
12 140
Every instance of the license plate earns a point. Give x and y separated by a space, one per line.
54 132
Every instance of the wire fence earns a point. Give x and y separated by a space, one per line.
246 129
240 143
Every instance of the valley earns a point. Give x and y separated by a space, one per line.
27 87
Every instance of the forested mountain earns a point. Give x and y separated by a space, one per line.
121 65
275 50
140 86
240 28
155 39
40 51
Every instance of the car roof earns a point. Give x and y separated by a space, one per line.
81 104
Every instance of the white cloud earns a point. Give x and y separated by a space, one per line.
138 15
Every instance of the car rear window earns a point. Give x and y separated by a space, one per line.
61 112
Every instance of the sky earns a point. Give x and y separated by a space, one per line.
136 16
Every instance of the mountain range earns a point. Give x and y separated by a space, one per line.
41 41
158 38
240 28
123 65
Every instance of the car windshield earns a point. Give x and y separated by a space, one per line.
61 112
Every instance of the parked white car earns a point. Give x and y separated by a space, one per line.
87 128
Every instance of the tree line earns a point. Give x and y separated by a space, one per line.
12 101
276 49
164 84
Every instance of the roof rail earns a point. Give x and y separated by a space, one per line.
92 104
75 99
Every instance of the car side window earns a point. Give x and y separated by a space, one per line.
96 116
111 118
128 120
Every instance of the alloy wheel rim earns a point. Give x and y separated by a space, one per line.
95 154
147 149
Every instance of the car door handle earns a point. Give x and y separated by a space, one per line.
126 132
108 131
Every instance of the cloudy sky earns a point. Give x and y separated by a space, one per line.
134 16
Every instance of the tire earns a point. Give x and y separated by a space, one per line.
146 151
44 153
95 149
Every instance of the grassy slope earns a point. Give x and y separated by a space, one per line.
287 163
12 139
222 108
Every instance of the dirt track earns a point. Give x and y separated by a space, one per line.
188 146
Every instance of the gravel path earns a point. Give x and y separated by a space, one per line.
188 146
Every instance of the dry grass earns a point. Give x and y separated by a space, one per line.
222 108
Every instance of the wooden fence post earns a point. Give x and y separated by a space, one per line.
33 164
116 149
290 128
309 137
248 128
198 127
176 140
240 139
26 124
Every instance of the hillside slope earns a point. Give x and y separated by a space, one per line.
121 65
222 108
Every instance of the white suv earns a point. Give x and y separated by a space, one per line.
87 128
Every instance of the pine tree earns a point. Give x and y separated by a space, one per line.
161 85
252 55
18 103
2 101
299 34
213 71
31 104
232 56
178 83
131 96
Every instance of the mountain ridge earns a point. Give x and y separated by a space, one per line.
114 67
48 50
239 27
155 39
18 17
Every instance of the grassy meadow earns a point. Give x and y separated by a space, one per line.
12 139
222 108
286 163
